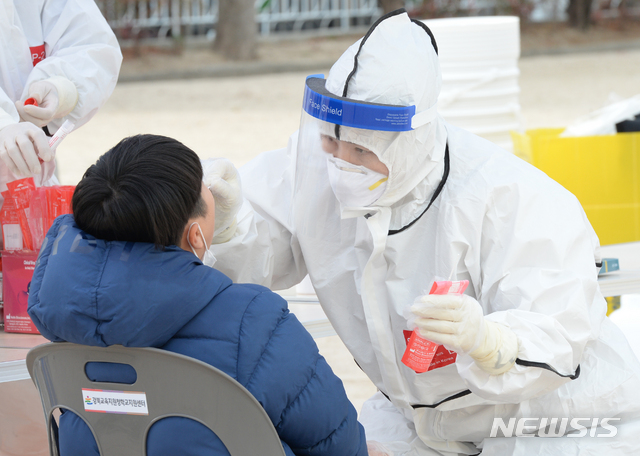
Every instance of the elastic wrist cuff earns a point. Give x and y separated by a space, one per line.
226 234
67 95
499 354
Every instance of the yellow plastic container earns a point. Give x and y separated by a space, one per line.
603 172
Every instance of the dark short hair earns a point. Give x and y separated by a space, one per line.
144 189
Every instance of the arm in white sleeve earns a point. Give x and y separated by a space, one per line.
539 280
8 112
264 248
6 119
82 49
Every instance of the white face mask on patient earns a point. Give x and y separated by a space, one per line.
355 185
209 258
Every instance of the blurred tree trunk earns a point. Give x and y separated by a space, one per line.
579 12
390 5
236 32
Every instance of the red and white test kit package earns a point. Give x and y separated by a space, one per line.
421 354
25 217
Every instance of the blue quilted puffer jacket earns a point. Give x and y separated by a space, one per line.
88 291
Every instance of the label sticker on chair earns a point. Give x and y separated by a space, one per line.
107 401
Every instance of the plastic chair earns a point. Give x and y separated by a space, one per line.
174 385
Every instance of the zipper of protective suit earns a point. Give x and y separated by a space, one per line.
376 310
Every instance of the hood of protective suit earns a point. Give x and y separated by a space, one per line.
396 63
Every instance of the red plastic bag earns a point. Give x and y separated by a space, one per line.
58 199
33 211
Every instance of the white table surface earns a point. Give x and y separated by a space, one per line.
627 280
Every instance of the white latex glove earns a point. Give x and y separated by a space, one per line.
458 323
56 98
223 181
377 449
20 146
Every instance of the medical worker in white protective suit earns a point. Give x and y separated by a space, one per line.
375 199
62 59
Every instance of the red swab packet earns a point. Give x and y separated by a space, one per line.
420 351
21 191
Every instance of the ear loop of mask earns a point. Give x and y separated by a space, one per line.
209 258
189 231
189 242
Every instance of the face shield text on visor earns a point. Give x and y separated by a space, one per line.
329 117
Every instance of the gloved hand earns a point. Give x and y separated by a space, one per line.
20 145
458 323
223 181
377 449
56 98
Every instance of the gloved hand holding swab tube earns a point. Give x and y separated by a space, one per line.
49 99
23 146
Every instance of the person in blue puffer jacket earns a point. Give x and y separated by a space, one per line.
126 269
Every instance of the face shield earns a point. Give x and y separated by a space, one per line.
369 136
341 143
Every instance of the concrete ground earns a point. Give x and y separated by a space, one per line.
240 116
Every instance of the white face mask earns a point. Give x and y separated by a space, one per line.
355 185
209 258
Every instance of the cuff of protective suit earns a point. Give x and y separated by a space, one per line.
6 119
499 350
226 234
67 95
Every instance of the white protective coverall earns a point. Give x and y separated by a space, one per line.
521 240
67 40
